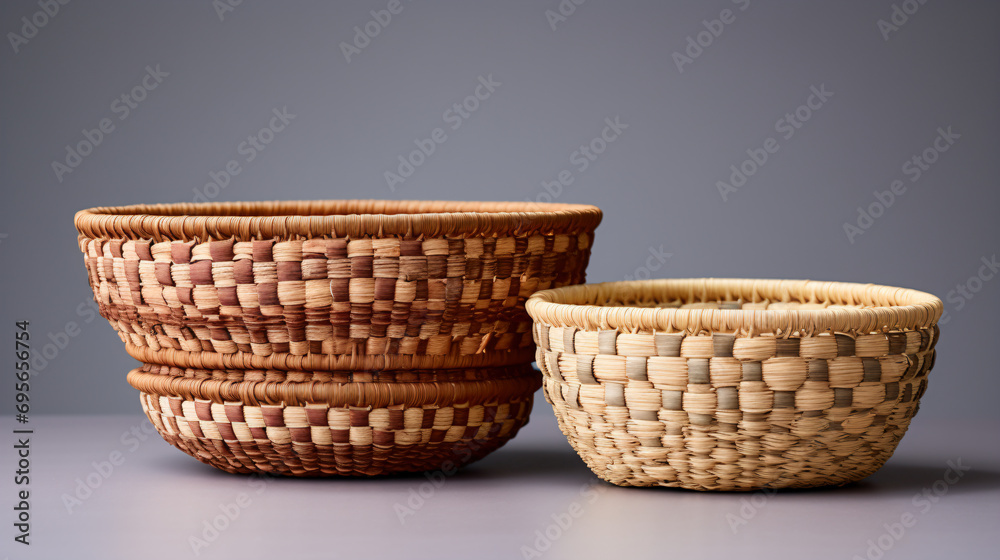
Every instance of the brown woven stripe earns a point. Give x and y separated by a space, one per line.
379 395
314 362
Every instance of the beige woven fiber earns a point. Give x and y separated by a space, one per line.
332 337
713 384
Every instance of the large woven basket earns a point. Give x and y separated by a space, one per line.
734 384
332 337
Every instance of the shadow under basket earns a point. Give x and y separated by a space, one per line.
375 424
712 384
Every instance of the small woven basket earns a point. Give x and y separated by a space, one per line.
734 384
332 337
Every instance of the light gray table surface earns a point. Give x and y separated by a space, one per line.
532 498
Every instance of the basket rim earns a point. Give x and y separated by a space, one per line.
884 308
324 362
521 381
298 219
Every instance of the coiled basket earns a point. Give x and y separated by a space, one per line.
734 384
332 337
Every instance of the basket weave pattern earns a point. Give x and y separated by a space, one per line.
734 385
353 429
376 297
341 337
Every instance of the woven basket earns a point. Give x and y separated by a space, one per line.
734 384
332 337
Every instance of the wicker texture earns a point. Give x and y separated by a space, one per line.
306 428
734 384
411 308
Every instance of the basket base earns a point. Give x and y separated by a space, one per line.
320 442
841 475
311 460
692 461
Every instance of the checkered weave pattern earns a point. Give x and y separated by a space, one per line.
430 297
402 321
731 386
354 429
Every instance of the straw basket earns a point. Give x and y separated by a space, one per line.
332 337
734 384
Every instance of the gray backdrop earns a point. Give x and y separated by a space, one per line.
694 93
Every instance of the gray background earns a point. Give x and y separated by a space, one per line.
656 182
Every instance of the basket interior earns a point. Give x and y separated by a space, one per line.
329 208
735 305
334 218
794 295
